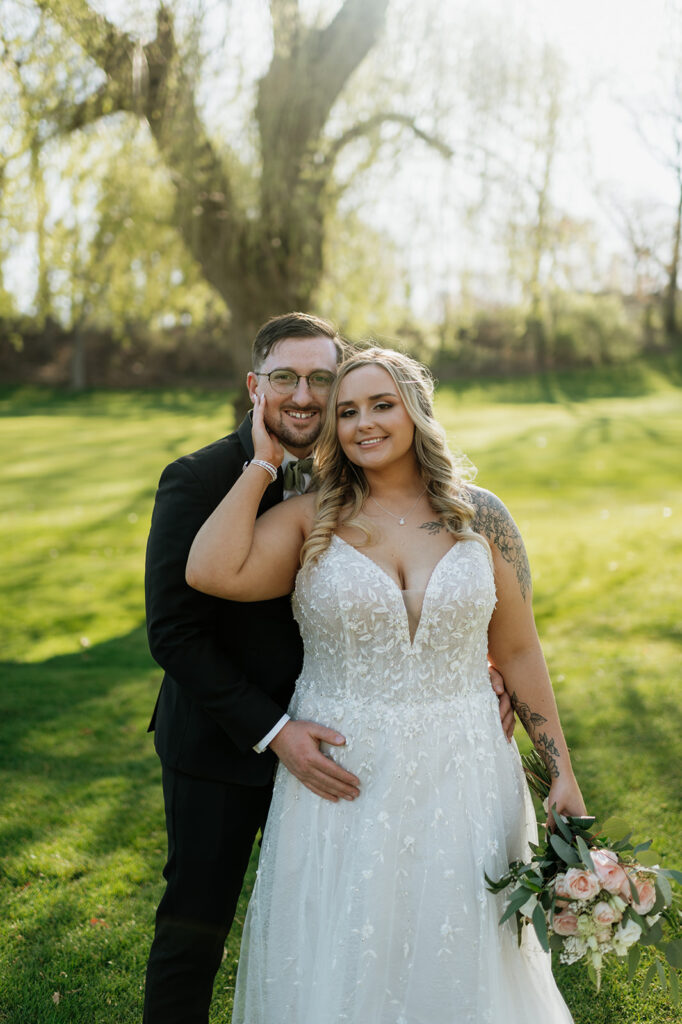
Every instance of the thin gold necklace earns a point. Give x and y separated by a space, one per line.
401 519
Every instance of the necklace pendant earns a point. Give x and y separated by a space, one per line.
401 521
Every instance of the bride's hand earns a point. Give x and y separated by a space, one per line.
565 793
265 445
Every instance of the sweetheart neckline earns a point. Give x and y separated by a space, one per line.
411 640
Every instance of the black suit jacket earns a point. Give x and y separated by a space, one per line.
229 667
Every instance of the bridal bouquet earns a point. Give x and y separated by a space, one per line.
590 893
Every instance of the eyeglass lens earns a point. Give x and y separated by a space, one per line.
286 380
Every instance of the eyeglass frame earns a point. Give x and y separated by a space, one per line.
299 377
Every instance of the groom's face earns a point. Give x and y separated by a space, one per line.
295 418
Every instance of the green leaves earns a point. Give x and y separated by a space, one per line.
518 898
584 853
673 953
572 845
540 925
634 955
566 852
615 828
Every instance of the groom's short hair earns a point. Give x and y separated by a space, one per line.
293 325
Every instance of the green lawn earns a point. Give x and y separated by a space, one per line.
588 463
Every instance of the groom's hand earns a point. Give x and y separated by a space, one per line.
297 745
506 710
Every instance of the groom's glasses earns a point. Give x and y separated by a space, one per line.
285 382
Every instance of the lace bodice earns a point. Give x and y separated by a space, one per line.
356 631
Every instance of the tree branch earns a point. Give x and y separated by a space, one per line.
151 81
369 125
108 46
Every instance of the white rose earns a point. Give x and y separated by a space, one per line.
627 934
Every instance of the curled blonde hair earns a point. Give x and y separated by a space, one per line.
341 484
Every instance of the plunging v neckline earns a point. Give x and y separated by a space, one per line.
411 640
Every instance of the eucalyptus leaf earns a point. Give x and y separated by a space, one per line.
642 846
518 898
648 858
673 953
585 853
661 975
675 875
653 935
648 978
674 989
663 886
615 828
561 825
567 853
634 953
540 925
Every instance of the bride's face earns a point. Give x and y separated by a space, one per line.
372 424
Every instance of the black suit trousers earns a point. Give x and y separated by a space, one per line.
211 827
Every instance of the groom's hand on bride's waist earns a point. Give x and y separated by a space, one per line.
506 710
297 745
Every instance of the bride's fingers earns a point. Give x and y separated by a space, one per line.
263 441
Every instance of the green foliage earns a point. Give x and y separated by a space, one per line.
589 466
592 329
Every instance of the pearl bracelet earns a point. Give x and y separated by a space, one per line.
267 466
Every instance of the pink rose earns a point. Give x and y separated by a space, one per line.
562 896
603 935
609 872
565 923
603 913
647 896
581 884
625 890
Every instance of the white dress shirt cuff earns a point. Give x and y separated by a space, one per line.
263 744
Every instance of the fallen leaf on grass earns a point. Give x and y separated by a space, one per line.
56 996
98 922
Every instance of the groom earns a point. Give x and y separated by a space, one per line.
220 721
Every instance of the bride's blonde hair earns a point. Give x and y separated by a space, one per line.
342 485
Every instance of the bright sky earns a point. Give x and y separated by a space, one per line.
615 51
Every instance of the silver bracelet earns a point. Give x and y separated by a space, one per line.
267 466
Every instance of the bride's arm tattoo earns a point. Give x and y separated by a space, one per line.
529 719
544 744
547 749
495 523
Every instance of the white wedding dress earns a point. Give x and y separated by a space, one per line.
376 911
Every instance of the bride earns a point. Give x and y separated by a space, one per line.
375 911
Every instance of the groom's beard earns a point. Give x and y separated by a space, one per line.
296 434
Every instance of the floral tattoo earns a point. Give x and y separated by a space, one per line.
544 744
493 520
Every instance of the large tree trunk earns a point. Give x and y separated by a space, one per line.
272 262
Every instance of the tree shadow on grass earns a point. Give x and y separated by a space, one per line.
72 732
82 841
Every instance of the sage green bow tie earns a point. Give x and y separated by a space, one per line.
294 479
